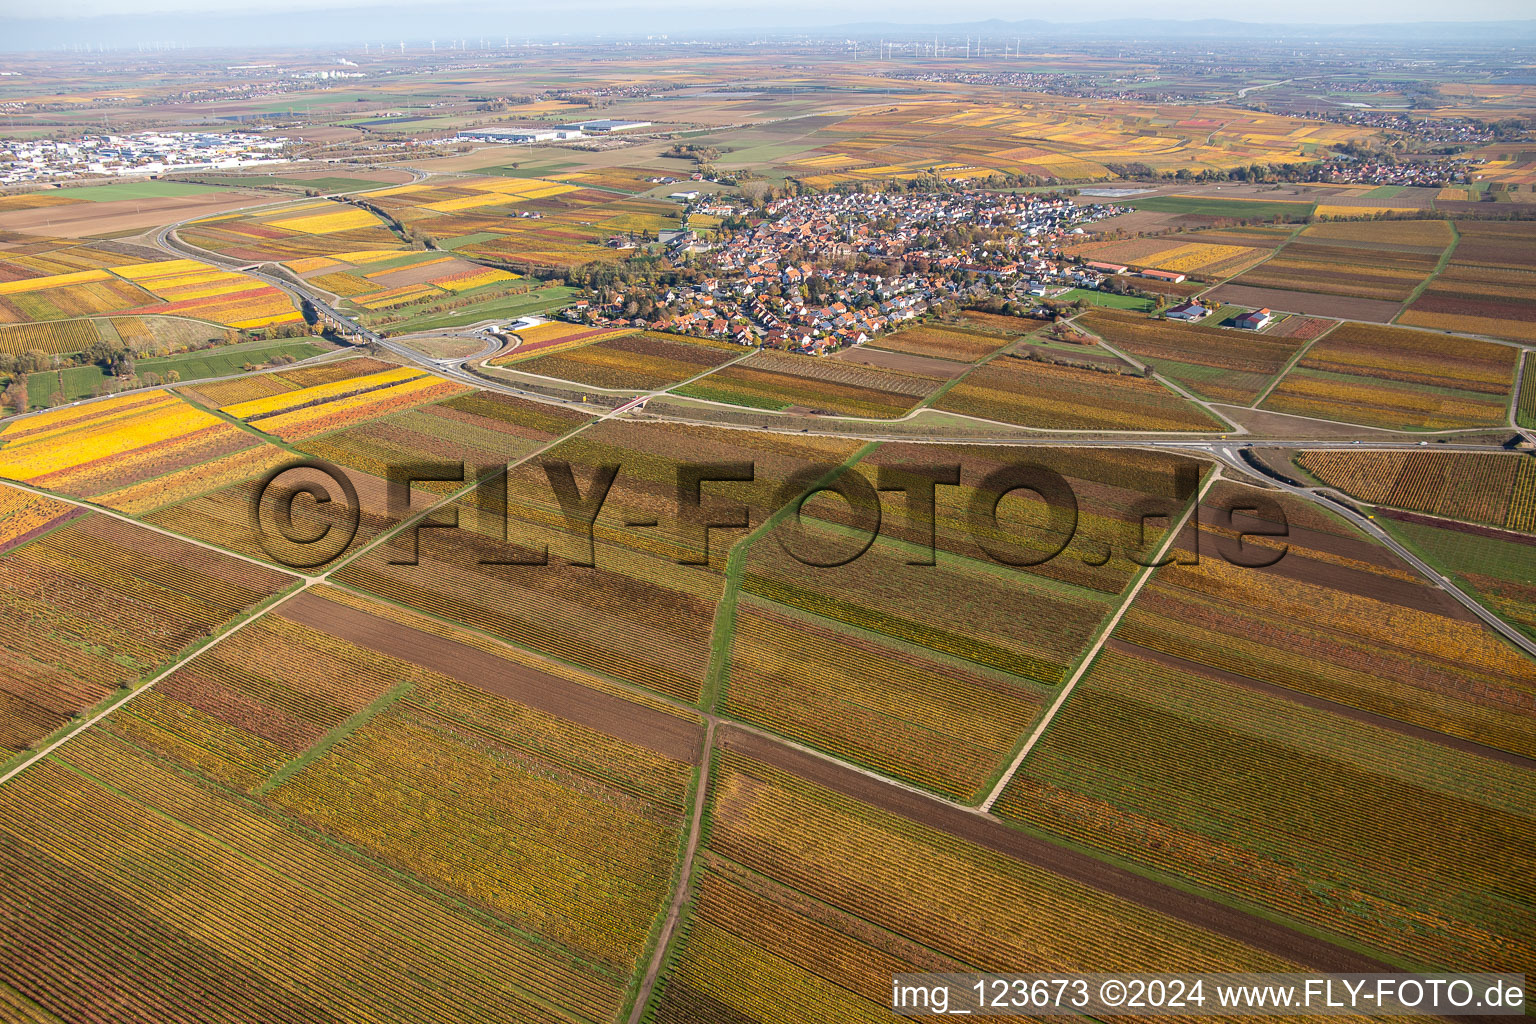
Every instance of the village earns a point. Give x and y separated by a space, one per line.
817 273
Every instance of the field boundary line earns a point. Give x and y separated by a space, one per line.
106 708
1208 406
1290 364
325 743
684 885
110 513
1440 265
1093 652
723 628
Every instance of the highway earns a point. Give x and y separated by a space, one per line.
1231 457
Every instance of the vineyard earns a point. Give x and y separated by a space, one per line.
632 617
179 287
959 609
1499 568
779 381
811 900
957 343
634 362
1257 796
315 228
639 612
1486 287
1213 259
374 281
417 790
221 516
912 714
1357 399
644 490
148 939
1365 260
481 429
24 516
190 288
29 256
1415 357
1497 489
528 221
1393 377
423 771
320 408
552 337
1217 364
920 670
1035 393
1345 633
96 604
100 446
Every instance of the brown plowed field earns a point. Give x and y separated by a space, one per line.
663 733
81 219
902 362
1339 307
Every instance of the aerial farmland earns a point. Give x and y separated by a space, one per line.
838 521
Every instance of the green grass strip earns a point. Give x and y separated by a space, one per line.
724 628
335 736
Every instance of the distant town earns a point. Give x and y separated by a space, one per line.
24 161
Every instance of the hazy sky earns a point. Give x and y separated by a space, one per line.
836 11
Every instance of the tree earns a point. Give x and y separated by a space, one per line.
16 394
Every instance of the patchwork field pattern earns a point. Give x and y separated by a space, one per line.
316 228
96 604
1049 138
633 362
1218 364
907 659
779 381
179 287
625 602
810 900
1393 377
1360 264
1492 488
202 846
1487 286
88 449
413 279
1342 620
480 429
1499 567
1209 260
379 734
1227 789
1034 393
141 334
320 408
528 222
551 337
